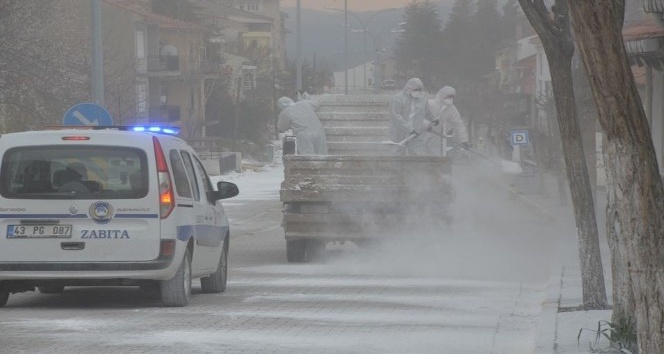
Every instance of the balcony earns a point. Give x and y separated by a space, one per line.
165 114
653 5
164 65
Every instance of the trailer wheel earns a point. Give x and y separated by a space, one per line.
302 251
314 250
368 244
51 289
4 296
296 251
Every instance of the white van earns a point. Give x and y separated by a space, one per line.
88 206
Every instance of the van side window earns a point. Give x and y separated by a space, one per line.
204 180
189 166
180 175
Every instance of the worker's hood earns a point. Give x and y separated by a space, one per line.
447 91
284 102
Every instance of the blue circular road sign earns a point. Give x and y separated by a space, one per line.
87 114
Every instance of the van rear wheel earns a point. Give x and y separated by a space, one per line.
216 282
176 291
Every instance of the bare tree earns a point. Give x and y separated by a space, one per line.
553 29
636 194
38 79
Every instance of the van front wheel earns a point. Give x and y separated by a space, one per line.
176 291
216 282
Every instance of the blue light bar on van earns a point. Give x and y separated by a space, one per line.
169 130
156 129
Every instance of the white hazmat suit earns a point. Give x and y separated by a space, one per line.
409 114
443 109
302 119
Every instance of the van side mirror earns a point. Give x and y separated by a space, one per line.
226 190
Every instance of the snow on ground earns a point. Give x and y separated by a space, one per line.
255 184
492 250
479 291
494 244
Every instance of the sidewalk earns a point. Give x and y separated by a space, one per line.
563 329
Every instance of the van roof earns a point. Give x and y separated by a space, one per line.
31 137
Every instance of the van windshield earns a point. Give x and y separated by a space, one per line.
74 172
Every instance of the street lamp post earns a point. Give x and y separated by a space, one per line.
298 54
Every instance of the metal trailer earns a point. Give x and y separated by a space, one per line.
361 192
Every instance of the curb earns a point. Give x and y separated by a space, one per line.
545 342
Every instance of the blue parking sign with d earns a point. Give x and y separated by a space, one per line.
519 137
87 114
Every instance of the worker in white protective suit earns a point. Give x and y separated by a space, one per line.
409 115
302 119
445 111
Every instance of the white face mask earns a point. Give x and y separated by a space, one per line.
417 94
448 101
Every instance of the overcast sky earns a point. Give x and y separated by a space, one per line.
353 5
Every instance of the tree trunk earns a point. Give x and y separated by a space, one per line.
638 203
623 296
588 128
554 32
592 274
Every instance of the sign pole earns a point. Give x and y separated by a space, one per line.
97 76
516 153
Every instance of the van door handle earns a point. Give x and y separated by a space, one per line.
72 246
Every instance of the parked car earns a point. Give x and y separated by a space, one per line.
109 206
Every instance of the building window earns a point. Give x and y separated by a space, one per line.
248 7
192 100
202 54
140 44
142 98
540 62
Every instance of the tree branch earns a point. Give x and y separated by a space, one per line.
538 16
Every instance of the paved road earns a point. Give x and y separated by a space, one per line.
478 290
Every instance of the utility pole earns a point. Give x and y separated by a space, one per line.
313 77
275 109
298 60
97 77
236 114
345 47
